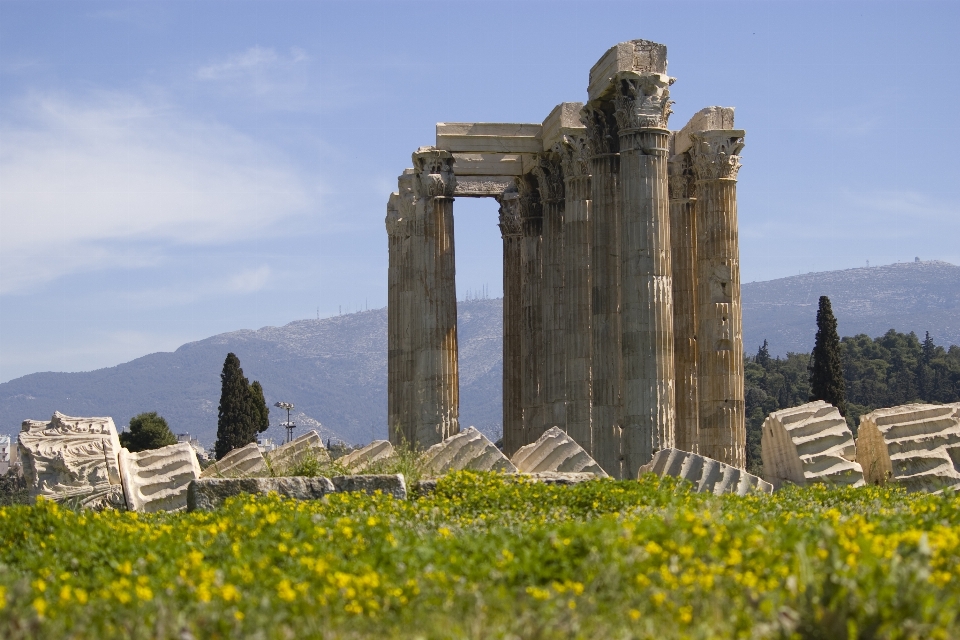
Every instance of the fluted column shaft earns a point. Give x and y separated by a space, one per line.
531 334
605 412
720 340
553 387
642 107
683 244
512 233
433 312
578 237
394 353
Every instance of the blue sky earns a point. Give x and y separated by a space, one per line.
171 170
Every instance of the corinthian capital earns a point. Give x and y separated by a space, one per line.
510 222
601 131
549 177
434 171
680 178
529 197
642 100
716 154
574 155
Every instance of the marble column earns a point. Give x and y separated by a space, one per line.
683 245
553 387
642 103
531 332
577 240
401 227
394 353
511 230
606 408
434 314
716 161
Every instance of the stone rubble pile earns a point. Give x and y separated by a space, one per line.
706 474
809 443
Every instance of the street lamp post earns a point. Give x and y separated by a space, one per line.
289 423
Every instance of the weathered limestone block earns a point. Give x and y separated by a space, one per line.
564 479
157 479
376 451
72 460
555 451
242 462
469 449
809 443
706 474
287 456
389 483
207 494
916 445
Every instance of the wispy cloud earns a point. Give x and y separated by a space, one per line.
276 80
82 182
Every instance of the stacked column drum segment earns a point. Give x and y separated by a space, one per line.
622 323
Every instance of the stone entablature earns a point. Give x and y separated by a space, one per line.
622 311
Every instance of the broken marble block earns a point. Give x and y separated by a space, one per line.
72 460
243 462
468 449
157 479
208 494
285 457
555 451
809 443
376 451
706 474
915 445
392 484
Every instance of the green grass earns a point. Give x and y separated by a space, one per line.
489 557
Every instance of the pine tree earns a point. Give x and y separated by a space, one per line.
826 368
763 355
260 409
147 431
237 421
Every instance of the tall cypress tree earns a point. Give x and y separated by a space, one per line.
826 370
260 409
237 421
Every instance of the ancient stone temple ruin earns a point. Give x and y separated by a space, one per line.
621 274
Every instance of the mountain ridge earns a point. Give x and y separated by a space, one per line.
334 369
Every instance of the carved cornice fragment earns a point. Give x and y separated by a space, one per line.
716 154
434 171
642 101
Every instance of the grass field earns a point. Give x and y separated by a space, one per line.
490 557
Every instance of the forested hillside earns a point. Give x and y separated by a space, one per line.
895 368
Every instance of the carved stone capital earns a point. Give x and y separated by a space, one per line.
680 178
574 155
549 177
510 222
601 131
716 154
529 197
642 101
406 203
434 171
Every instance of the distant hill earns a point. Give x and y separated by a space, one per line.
334 370
910 296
